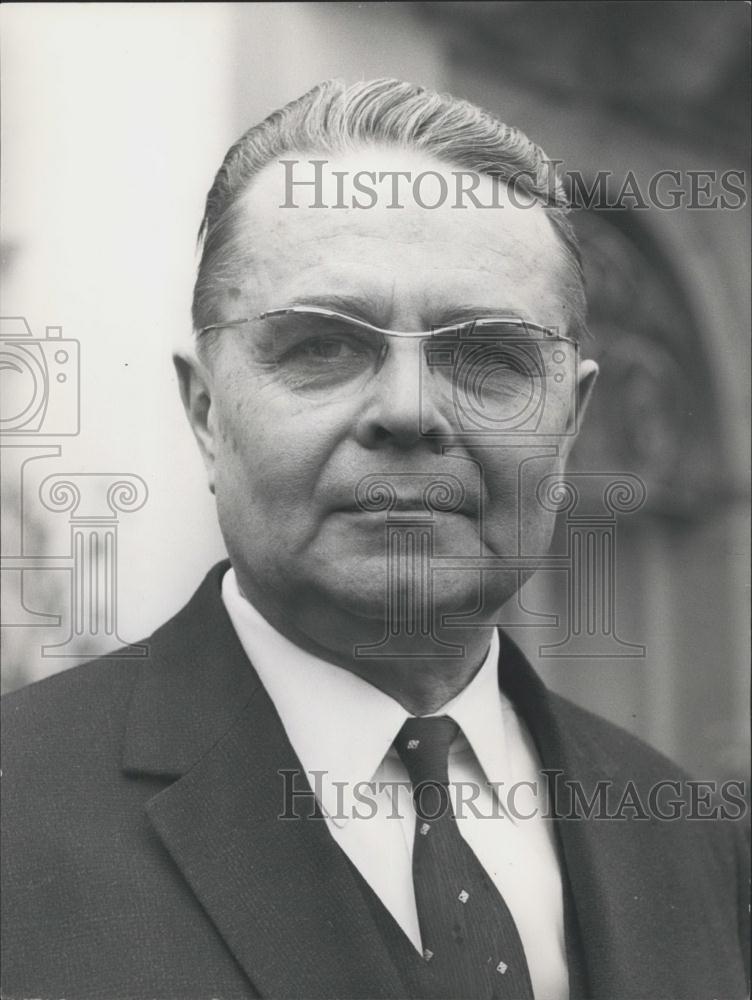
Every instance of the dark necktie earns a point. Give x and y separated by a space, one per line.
470 940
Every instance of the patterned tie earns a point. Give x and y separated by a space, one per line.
469 936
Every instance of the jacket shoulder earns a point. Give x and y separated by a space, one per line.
618 749
645 783
70 706
69 714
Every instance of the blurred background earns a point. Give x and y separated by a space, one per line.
114 120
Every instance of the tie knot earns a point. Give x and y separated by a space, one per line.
423 745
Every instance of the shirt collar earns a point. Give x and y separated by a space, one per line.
479 710
341 726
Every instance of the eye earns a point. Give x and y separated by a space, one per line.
329 349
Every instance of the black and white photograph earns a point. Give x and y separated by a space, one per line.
374 440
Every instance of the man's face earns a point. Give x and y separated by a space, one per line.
285 465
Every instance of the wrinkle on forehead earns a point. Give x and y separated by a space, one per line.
498 232
386 253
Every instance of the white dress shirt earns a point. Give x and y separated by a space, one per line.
342 729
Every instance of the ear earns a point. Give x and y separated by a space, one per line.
586 377
195 384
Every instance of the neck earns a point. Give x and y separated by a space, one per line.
422 683
423 673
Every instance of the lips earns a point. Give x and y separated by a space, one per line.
397 492
402 504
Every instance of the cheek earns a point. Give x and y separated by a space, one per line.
271 452
514 511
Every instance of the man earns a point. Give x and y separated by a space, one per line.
388 309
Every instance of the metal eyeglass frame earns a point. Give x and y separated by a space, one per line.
548 334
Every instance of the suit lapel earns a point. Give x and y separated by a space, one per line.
279 891
560 756
635 906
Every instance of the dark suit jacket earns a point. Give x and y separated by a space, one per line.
143 856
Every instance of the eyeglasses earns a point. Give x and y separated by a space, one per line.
500 365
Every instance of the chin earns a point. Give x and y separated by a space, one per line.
356 585
363 588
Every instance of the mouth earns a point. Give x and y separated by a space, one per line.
429 495
403 505
407 506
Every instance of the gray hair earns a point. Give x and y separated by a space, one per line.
335 118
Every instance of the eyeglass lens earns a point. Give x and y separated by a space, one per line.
499 367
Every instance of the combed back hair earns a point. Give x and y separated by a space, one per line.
334 118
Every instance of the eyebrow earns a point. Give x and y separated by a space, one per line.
465 314
361 307
371 310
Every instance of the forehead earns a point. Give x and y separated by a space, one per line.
410 262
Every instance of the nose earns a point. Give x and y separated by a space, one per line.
401 405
